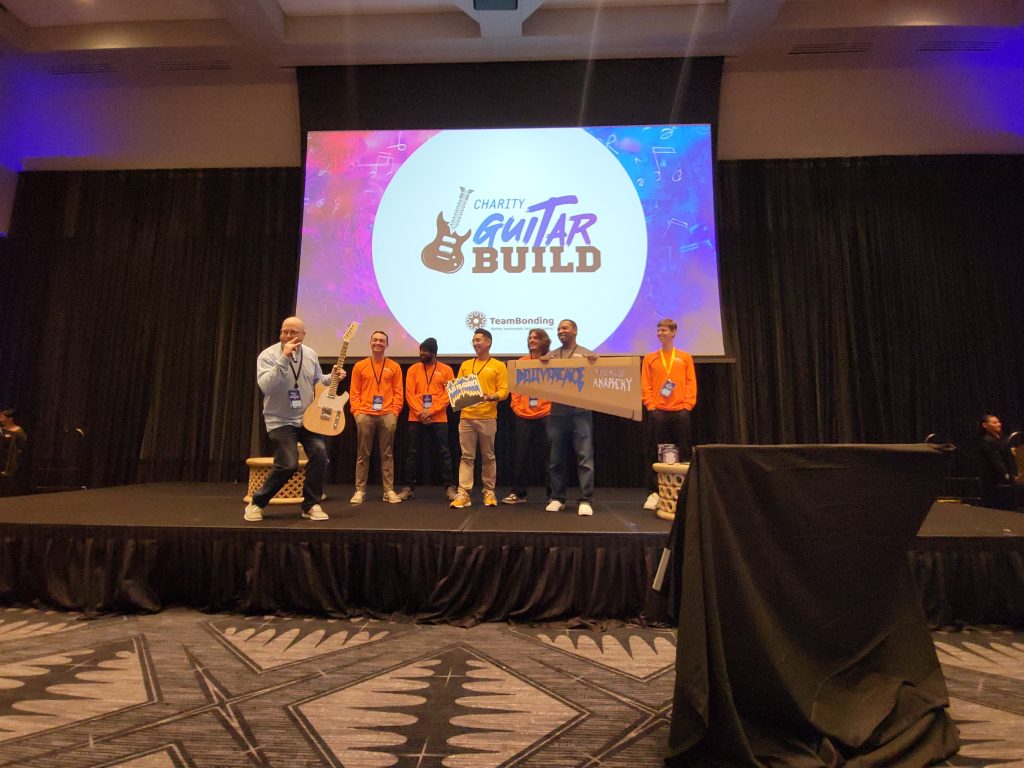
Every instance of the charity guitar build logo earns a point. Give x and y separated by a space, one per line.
527 223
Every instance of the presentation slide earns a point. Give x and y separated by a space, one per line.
441 232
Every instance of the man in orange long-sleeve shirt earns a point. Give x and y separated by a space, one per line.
375 394
427 396
669 389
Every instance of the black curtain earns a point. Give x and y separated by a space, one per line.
869 299
866 300
144 297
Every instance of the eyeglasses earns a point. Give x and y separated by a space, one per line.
291 332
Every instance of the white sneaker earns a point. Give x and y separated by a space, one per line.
555 506
652 502
406 493
585 510
357 497
253 513
314 513
392 498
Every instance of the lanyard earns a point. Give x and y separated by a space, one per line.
296 369
671 362
431 377
472 366
561 356
382 367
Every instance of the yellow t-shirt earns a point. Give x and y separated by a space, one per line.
493 377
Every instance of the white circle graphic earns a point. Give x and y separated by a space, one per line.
580 253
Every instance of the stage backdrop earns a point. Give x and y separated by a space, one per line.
869 299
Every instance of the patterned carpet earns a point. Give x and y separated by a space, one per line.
181 688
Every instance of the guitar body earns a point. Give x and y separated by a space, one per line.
444 253
326 415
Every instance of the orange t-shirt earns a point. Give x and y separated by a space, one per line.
521 404
420 381
369 379
653 377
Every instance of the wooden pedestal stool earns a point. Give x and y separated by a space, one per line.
670 480
259 471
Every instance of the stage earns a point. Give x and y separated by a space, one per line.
146 547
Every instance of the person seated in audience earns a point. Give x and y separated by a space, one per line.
13 445
998 469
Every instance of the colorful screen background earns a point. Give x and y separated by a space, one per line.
347 173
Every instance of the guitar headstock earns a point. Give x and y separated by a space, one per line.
350 333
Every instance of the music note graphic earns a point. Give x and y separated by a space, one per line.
444 252
400 145
666 158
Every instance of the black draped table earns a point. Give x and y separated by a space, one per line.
802 640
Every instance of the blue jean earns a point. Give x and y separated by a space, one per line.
579 426
286 441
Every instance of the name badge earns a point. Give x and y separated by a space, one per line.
294 399
667 387
428 402
534 402
378 402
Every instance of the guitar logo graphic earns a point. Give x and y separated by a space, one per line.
444 253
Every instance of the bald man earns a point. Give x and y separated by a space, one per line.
287 373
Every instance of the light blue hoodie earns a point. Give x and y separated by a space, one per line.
275 376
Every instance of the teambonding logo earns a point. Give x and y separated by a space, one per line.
476 320
444 252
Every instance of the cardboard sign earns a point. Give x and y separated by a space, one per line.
464 391
611 385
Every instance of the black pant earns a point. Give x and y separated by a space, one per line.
286 441
666 427
435 437
531 440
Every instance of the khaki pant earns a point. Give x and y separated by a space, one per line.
383 427
474 433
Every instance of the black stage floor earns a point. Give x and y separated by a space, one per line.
148 546
209 505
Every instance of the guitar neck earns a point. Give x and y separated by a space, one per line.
341 362
460 207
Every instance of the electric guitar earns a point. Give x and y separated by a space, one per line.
444 253
325 415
